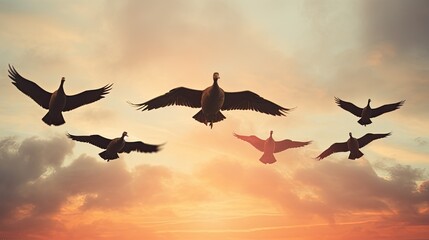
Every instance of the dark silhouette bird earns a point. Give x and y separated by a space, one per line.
367 112
116 145
269 146
56 102
352 145
211 101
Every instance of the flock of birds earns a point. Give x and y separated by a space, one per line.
211 101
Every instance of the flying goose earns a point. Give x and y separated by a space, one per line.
116 145
56 102
211 101
352 145
269 146
367 112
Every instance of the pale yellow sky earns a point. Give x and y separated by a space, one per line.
295 53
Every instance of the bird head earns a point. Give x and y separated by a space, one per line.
271 133
369 100
124 134
215 76
350 134
63 79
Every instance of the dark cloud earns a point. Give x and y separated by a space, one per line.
331 189
35 186
22 164
350 186
401 23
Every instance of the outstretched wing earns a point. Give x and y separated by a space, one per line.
350 107
87 97
286 144
140 147
369 137
254 140
95 140
336 147
29 88
386 108
178 96
248 100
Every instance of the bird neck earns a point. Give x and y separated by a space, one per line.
215 86
60 88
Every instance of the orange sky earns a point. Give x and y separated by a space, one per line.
205 183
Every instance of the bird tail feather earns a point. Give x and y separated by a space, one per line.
219 117
355 155
55 120
268 158
364 121
108 156
200 117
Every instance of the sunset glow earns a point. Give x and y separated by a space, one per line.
205 183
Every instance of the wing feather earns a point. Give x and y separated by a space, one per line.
178 96
369 137
86 97
95 140
336 147
286 144
254 140
247 100
29 88
140 147
386 108
350 107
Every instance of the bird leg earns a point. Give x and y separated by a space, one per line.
211 125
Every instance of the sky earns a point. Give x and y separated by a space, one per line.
205 183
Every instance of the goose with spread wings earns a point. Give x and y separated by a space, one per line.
57 101
116 145
212 100
270 146
367 112
352 145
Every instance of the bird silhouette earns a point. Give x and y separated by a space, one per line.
116 145
269 146
367 112
56 102
211 101
353 145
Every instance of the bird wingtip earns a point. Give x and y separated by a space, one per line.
337 100
139 106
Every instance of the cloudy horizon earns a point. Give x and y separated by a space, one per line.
205 183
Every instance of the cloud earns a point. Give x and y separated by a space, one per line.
421 141
21 165
37 188
41 192
350 186
401 23
327 189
